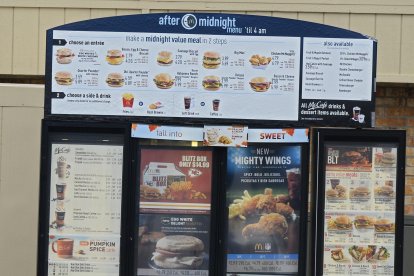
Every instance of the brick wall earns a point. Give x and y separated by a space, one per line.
395 109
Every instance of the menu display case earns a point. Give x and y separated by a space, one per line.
359 202
81 200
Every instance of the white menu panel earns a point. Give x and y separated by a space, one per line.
176 75
85 209
337 69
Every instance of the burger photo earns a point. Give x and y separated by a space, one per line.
352 157
337 254
63 78
211 60
115 80
114 57
384 226
64 55
363 222
384 191
332 193
360 192
178 251
388 158
163 81
211 83
340 223
164 58
259 84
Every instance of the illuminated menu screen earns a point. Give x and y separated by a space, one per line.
85 210
360 206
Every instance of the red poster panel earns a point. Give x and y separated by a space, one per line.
175 181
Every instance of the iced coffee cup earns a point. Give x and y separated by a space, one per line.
62 169
63 248
60 191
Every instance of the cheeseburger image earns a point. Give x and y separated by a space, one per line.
211 60
64 55
388 158
384 226
360 192
115 80
363 222
178 251
164 58
114 57
384 191
211 83
63 78
340 223
163 81
259 84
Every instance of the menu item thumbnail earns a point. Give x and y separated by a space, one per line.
127 100
115 57
211 83
357 253
343 223
64 55
384 191
211 60
115 80
337 254
163 81
155 105
63 248
63 78
259 84
363 222
164 58
178 251
259 60
360 192
384 226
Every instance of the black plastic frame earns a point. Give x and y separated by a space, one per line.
76 127
362 136
303 238
134 199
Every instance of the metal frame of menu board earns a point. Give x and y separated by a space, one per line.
155 220
83 134
111 70
358 238
302 249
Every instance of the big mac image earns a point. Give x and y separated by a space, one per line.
211 60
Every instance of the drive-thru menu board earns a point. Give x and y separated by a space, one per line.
177 75
360 206
211 66
85 209
174 212
263 191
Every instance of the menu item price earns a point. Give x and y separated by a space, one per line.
64 78
115 57
163 81
115 80
64 55
211 60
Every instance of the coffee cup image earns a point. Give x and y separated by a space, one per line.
60 217
62 169
63 248
60 191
